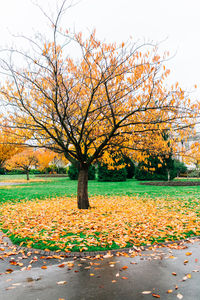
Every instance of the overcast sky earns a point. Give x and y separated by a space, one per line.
175 21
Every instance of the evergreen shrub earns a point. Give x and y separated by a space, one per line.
73 172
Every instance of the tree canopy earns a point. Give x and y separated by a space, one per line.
109 98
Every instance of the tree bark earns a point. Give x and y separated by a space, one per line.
168 175
27 175
82 191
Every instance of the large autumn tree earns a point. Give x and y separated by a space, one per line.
109 98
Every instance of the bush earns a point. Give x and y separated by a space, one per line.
35 171
180 167
153 169
73 172
194 173
130 167
15 172
2 171
53 169
104 174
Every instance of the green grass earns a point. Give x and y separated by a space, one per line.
58 187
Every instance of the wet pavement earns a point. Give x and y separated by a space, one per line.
165 273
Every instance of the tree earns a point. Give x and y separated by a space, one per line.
156 168
7 148
111 98
44 158
192 154
24 161
180 167
116 171
130 167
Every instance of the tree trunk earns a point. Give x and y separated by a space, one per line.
82 191
27 175
168 175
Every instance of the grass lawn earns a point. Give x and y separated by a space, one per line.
58 187
122 214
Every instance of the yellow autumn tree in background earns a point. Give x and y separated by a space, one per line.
191 155
47 158
7 145
110 98
44 158
24 161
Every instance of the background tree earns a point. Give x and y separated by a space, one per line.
44 158
7 148
24 161
156 168
109 98
112 172
130 167
191 155
181 168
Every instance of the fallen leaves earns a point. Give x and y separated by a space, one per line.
120 221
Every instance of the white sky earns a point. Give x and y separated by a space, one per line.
177 21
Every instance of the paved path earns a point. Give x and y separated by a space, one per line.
5 183
107 278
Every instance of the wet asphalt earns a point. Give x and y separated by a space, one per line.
165 273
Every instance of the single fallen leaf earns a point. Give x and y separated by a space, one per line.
189 276
113 281
124 267
70 264
146 292
174 273
91 274
156 295
61 266
61 282
188 253
9 271
124 277
44 267
10 287
184 278
20 264
179 296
